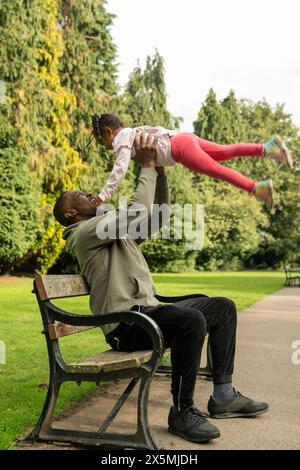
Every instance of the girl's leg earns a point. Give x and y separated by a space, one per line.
227 152
186 150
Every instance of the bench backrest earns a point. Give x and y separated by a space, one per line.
57 287
60 286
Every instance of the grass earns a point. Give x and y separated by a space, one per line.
23 380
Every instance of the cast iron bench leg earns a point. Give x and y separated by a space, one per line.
44 423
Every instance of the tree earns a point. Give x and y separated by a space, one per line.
281 242
145 98
37 127
229 121
233 220
87 66
61 165
19 136
88 70
210 121
145 103
233 227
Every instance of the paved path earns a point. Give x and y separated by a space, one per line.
264 370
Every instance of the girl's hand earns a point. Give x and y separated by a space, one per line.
97 202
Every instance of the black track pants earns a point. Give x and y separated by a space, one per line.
184 326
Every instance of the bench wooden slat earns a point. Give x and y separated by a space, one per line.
58 330
54 286
109 361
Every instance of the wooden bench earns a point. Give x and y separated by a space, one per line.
292 276
138 366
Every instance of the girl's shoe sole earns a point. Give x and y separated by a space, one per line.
269 204
288 160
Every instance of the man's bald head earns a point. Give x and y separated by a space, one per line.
74 206
60 209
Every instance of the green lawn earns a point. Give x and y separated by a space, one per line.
23 378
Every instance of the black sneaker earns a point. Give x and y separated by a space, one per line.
237 407
192 425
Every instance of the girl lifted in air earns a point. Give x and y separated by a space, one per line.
199 155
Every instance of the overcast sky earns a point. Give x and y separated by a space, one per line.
247 45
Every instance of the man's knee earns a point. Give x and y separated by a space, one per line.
196 321
228 306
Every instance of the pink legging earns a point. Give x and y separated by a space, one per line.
202 156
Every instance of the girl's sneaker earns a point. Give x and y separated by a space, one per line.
276 149
264 191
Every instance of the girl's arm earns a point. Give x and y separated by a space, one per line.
118 173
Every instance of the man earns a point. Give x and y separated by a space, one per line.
119 278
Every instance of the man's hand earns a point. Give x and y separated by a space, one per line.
145 149
160 170
97 202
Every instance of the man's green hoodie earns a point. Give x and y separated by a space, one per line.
114 267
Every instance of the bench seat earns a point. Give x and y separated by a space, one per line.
110 361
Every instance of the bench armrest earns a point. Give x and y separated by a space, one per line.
138 318
178 298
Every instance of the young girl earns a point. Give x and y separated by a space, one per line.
191 151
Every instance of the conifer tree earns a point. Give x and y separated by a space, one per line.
88 70
210 121
145 103
19 136
61 164
87 66
145 97
37 126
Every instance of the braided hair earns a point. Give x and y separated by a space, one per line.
100 121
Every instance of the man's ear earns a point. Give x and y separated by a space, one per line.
70 214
